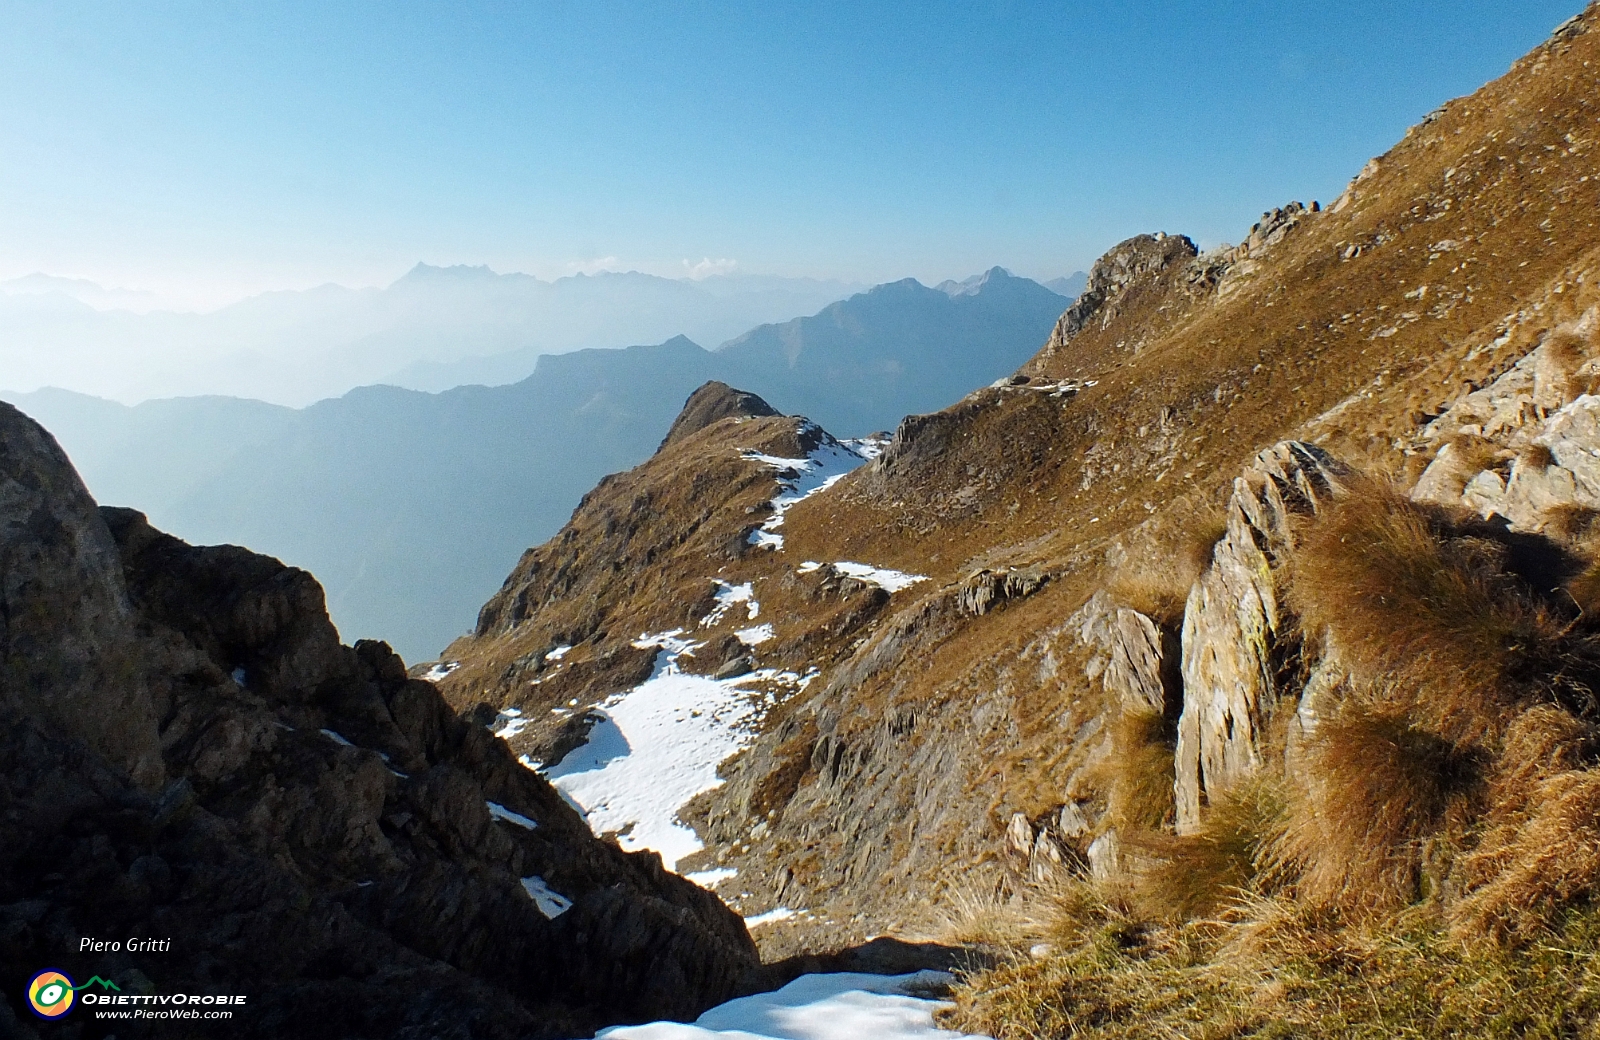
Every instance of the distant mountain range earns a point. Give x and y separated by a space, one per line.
434 328
411 507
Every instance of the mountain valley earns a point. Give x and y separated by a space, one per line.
1221 665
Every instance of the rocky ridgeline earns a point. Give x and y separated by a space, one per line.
187 752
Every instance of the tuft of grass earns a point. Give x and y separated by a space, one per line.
987 918
1536 456
1430 615
1567 522
1179 877
1376 788
1137 775
1474 453
1584 589
1565 351
1539 851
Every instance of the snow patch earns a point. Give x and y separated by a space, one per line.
500 812
773 916
799 479
755 636
713 877
886 579
558 653
869 447
727 596
550 903
883 577
440 670
843 1006
509 723
336 738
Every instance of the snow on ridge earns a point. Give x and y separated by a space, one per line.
509 723
817 1007
440 670
710 879
773 916
550 902
659 744
799 479
883 577
558 653
869 447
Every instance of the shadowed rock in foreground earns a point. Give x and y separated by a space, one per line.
187 752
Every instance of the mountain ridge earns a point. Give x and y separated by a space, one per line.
411 506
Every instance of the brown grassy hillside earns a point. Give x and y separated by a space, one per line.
954 746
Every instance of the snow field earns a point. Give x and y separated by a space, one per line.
842 1006
659 745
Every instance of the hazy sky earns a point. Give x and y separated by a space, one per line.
214 148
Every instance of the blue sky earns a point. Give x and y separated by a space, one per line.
214 148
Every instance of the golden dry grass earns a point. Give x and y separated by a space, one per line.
1539 851
1569 522
1157 582
1179 877
1277 972
1137 774
1565 352
1425 612
1376 788
1535 456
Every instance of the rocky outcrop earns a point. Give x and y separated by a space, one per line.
1522 448
1132 657
1220 269
1234 634
1128 263
984 590
65 623
711 403
188 753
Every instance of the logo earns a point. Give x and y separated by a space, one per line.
50 994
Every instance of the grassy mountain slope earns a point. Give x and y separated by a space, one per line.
957 746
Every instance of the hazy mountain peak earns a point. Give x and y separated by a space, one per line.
457 272
86 292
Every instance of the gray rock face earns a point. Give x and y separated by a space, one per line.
1132 655
330 839
65 623
985 590
1125 264
1231 627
